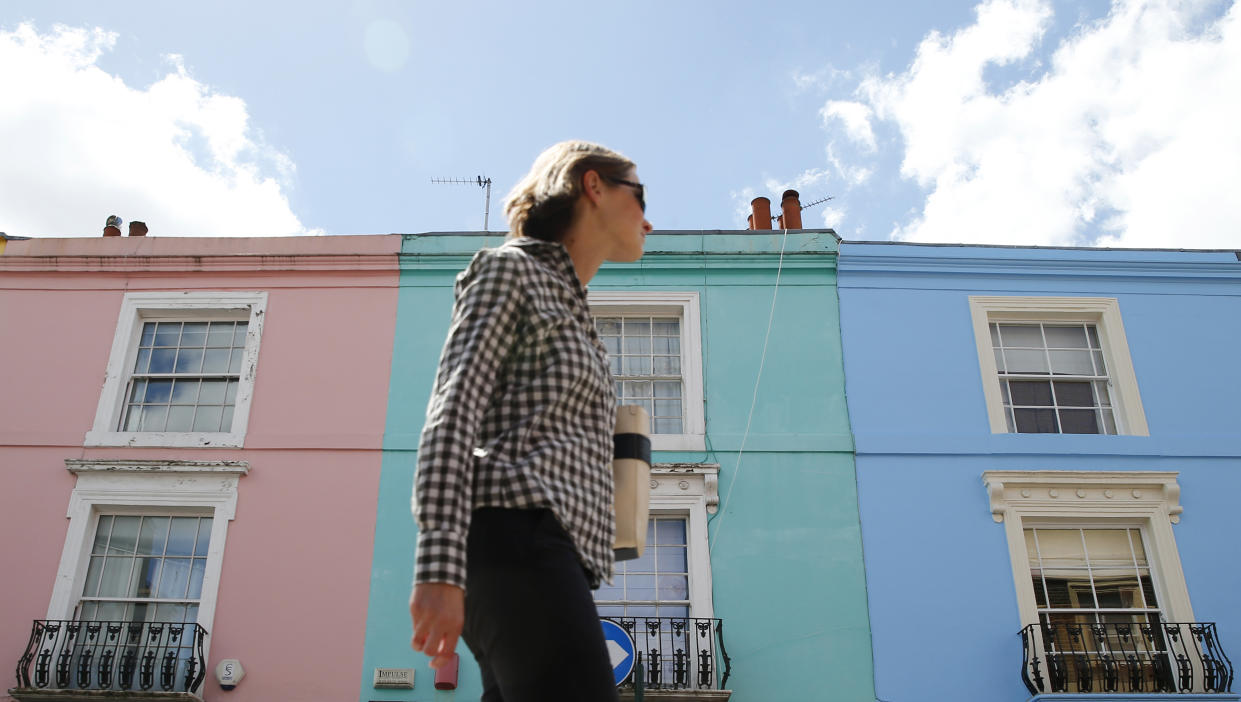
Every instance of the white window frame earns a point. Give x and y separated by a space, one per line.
141 307
1103 312
205 488
690 490
668 303
1148 500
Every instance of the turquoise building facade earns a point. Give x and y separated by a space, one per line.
754 466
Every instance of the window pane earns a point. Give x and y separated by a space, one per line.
148 334
1073 394
668 408
637 388
204 536
182 535
213 392
611 611
189 361
234 361
115 579
92 576
216 360
673 587
220 334
159 390
667 388
153 417
1108 548
637 344
667 326
185 391
146 576
165 612
196 578
153 536
1030 392
101 534
194 334
175 578
636 365
162 359
168 334
133 419
1065 337
207 418
1035 421
180 418
609 326
667 426
239 334
226 419
124 539
143 361
1061 548
1022 361
1040 596
637 327
1071 363
671 559
670 532
1021 335
1078 422
230 395
610 592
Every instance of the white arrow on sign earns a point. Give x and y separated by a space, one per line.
617 653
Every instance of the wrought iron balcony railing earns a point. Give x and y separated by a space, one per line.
1165 657
146 656
678 652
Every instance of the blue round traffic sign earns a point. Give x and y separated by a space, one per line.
621 650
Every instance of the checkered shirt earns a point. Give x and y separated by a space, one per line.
522 411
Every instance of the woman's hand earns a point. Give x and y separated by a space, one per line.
438 613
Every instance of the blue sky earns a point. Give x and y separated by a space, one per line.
1005 121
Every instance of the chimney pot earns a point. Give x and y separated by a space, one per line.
761 207
112 227
137 228
790 205
749 221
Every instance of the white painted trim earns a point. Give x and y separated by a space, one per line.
1104 312
690 490
140 307
683 304
145 487
1149 500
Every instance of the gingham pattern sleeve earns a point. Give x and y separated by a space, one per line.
487 311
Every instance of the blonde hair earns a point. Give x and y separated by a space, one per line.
541 204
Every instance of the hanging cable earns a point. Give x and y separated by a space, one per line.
754 399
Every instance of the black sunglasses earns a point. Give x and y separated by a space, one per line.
639 190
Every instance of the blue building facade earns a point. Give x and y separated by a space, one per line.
752 586
1048 450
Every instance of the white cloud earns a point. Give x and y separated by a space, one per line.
1127 137
856 118
80 145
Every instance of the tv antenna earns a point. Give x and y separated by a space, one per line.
480 181
817 202
809 205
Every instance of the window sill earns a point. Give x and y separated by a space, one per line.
678 442
199 439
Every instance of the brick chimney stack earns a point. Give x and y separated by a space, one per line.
112 227
137 228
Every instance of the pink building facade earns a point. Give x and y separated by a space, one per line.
191 434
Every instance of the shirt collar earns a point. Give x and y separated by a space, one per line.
554 255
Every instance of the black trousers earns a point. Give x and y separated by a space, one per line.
529 618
